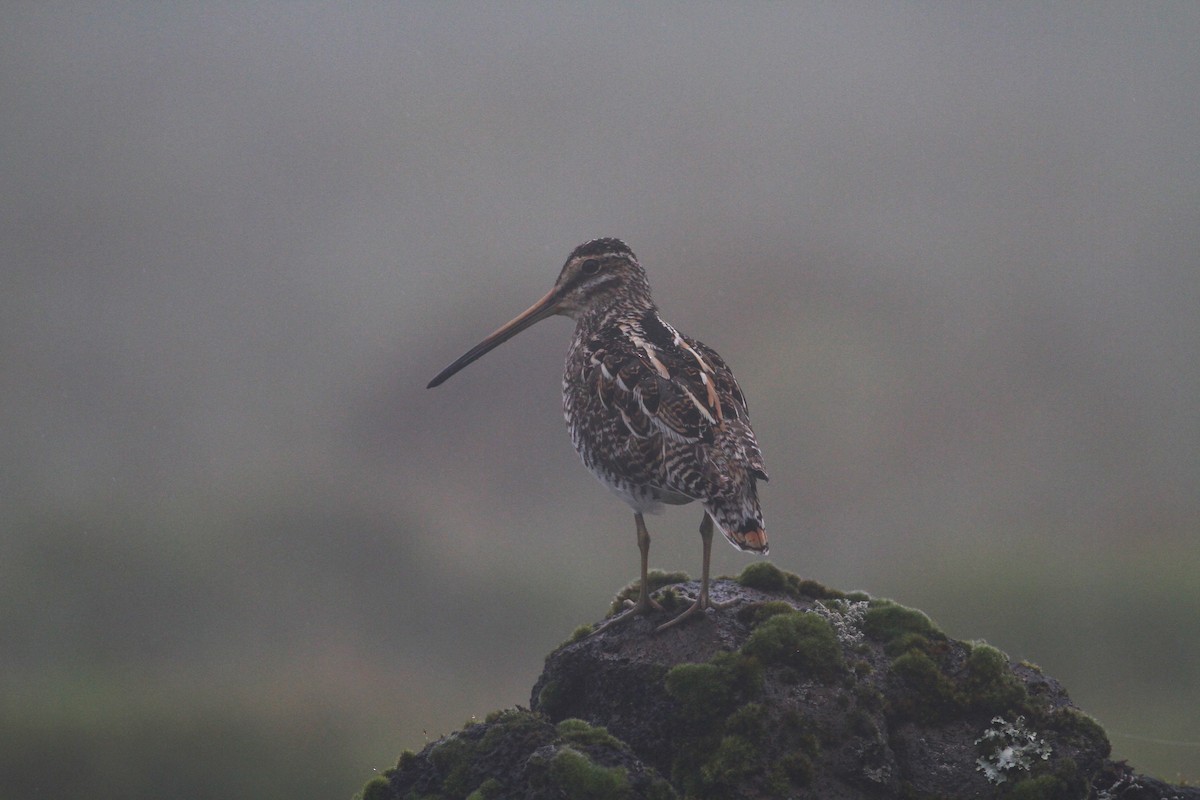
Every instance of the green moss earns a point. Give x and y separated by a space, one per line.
579 634
455 757
509 725
886 621
561 754
671 600
748 721
869 697
908 641
452 758
701 685
766 577
726 735
378 788
580 733
1043 787
714 689
579 777
1077 727
986 683
714 703
756 613
797 768
990 685
660 790
806 642
986 662
506 715
729 736
488 789
807 587
655 580
934 694
735 761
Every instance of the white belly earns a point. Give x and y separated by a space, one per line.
643 499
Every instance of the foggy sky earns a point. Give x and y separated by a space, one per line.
222 231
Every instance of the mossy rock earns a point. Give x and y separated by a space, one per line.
899 628
766 577
990 685
575 775
655 579
713 689
930 695
790 689
578 733
804 641
756 613
519 754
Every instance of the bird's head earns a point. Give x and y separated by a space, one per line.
598 276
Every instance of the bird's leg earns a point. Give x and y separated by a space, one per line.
645 603
702 600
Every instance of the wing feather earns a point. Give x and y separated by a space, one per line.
657 381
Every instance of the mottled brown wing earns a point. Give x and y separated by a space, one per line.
661 382
636 382
617 376
733 405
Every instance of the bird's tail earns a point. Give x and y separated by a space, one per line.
742 523
750 538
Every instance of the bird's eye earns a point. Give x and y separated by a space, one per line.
590 267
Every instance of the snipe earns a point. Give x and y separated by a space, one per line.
655 415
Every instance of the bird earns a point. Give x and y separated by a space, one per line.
656 415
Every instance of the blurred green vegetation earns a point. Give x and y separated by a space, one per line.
294 647
284 650
172 741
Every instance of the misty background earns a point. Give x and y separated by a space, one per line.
952 252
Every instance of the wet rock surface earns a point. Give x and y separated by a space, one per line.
791 690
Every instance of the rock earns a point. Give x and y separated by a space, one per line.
791 690
520 755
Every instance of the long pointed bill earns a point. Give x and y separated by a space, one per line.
535 313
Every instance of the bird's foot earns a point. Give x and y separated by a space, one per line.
702 602
645 605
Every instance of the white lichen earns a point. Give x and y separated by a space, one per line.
1012 747
1122 784
846 618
